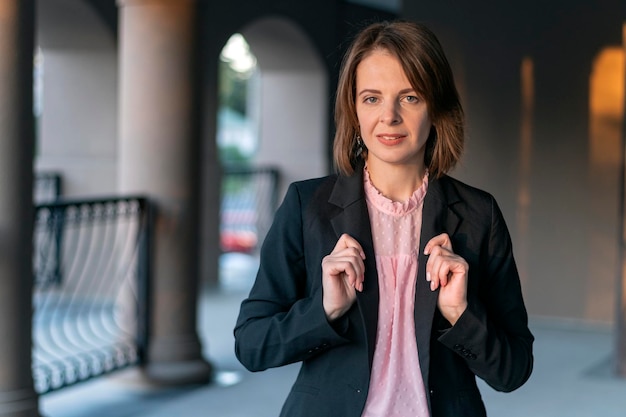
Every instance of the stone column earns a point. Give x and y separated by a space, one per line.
159 151
17 395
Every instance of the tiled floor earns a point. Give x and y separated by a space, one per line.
571 378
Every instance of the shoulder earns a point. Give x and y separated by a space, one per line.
312 184
465 199
294 210
312 189
452 188
303 194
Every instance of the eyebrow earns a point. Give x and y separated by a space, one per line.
373 91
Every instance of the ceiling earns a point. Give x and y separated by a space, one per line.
387 5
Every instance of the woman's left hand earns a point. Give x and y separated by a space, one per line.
448 272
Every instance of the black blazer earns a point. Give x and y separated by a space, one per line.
283 321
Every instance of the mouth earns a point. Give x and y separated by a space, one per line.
390 138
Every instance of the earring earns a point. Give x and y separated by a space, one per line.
360 146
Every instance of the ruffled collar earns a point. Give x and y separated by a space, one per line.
385 204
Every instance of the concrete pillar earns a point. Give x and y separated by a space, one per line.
17 395
158 156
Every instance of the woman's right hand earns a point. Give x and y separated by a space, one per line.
342 276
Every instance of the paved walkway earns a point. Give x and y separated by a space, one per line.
572 378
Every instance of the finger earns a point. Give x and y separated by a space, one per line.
346 265
349 264
360 279
347 241
429 272
443 274
438 268
442 240
347 244
446 268
359 284
432 273
435 252
353 278
357 278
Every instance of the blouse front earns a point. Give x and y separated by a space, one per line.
396 385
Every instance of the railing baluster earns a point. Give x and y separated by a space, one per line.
86 322
249 200
92 274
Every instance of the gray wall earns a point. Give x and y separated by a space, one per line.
78 124
551 163
558 195
293 105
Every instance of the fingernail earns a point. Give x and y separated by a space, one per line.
428 276
432 286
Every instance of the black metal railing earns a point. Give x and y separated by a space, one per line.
90 288
249 200
91 272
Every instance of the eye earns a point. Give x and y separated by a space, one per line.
370 100
412 99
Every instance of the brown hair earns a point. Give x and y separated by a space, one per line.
429 73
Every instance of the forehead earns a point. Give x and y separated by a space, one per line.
380 66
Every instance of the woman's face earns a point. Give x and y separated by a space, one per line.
393 118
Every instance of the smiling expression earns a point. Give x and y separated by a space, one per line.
393 118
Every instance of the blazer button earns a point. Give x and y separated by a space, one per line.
458 347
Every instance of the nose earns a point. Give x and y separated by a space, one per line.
390 114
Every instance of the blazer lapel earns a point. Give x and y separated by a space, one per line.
437 218
354 220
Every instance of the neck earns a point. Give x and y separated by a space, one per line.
397 183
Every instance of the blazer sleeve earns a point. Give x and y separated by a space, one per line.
283 321
492 335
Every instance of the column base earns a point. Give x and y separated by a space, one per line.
197 371
19 403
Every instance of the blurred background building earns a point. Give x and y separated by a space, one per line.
204 111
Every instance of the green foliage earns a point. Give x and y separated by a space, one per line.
233 87
236 67
232 155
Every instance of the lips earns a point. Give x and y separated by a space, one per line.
390 136
390 139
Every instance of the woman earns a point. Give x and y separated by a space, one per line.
393 284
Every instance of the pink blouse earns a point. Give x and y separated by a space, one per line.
396 385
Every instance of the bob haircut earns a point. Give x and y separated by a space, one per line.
430 75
